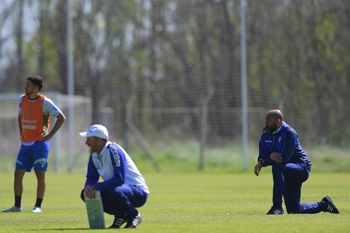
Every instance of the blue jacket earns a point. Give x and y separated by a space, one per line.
117 160
285 142
114 165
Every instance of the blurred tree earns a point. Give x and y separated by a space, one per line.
168 55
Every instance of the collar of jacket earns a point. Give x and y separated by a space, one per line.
281 129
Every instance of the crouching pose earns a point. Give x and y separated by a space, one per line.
123 188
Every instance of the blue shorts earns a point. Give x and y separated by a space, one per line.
33 156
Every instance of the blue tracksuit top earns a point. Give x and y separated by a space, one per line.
285 142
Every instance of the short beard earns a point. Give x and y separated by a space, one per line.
271 128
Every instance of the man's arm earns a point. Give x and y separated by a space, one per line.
19 119
291 142
92 175
51 109
60 119
257 168
263 157
113 182
119 172
276 157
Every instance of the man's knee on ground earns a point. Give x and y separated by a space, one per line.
293 208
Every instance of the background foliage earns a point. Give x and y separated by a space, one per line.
169 57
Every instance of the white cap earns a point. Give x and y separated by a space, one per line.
96 130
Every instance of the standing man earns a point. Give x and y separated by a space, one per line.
279 147
123 188
34 115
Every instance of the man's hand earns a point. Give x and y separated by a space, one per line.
276 157
89 191
257 168
45 137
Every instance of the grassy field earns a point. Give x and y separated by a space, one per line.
183 157
192 202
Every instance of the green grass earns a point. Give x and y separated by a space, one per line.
176 156
193 202
327 158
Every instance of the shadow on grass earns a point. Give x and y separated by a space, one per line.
64 229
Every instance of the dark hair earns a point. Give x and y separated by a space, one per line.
36 80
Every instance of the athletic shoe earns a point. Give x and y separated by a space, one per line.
275 211
329 205
118 222
13 209
36 209
132 223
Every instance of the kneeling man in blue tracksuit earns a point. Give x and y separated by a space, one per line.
279 147
123 188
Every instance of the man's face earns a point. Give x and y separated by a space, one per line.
30 88
93 143
272 122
